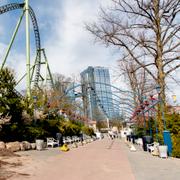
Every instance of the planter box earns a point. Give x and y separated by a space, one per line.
163 151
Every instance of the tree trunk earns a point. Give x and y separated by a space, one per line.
159 63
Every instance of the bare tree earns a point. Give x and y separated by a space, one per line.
145 32
138 80
61 82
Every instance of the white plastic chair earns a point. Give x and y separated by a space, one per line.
139 141
151 147
52 142
67 140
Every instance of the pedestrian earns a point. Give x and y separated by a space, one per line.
81 136
59 137
110 134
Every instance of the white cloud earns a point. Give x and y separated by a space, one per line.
69 48
73 49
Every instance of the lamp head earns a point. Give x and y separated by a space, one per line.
158 88
151 96
174 98
146 103
142 107
35 98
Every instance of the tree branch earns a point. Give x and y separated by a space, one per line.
172 69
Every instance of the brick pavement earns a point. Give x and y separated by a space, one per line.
148 167
99 160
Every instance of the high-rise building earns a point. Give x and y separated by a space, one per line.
97 94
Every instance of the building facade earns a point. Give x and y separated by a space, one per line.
97 94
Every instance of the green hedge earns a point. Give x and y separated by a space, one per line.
42 129
173 125
88 131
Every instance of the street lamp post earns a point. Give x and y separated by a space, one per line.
48 106
35 107
107 122
142 108
174 102
155 121
146 103
90 105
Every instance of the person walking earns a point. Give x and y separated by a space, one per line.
59 137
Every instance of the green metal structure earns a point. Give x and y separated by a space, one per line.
34 77
119 104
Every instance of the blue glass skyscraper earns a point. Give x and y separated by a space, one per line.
97 94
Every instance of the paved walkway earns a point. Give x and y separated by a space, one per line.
148 167
100 160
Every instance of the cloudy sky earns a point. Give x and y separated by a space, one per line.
69 47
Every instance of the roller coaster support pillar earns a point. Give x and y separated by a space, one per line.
48 69
12 40
28 84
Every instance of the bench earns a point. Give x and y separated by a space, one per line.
52 142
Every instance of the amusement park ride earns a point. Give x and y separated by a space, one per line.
33 74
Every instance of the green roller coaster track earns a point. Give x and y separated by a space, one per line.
33 74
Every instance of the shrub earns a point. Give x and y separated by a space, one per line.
68 128
88 131
173 125
139 131
34 133
176 146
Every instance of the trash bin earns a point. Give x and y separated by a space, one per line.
168 141
163 151
39 144
146 140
